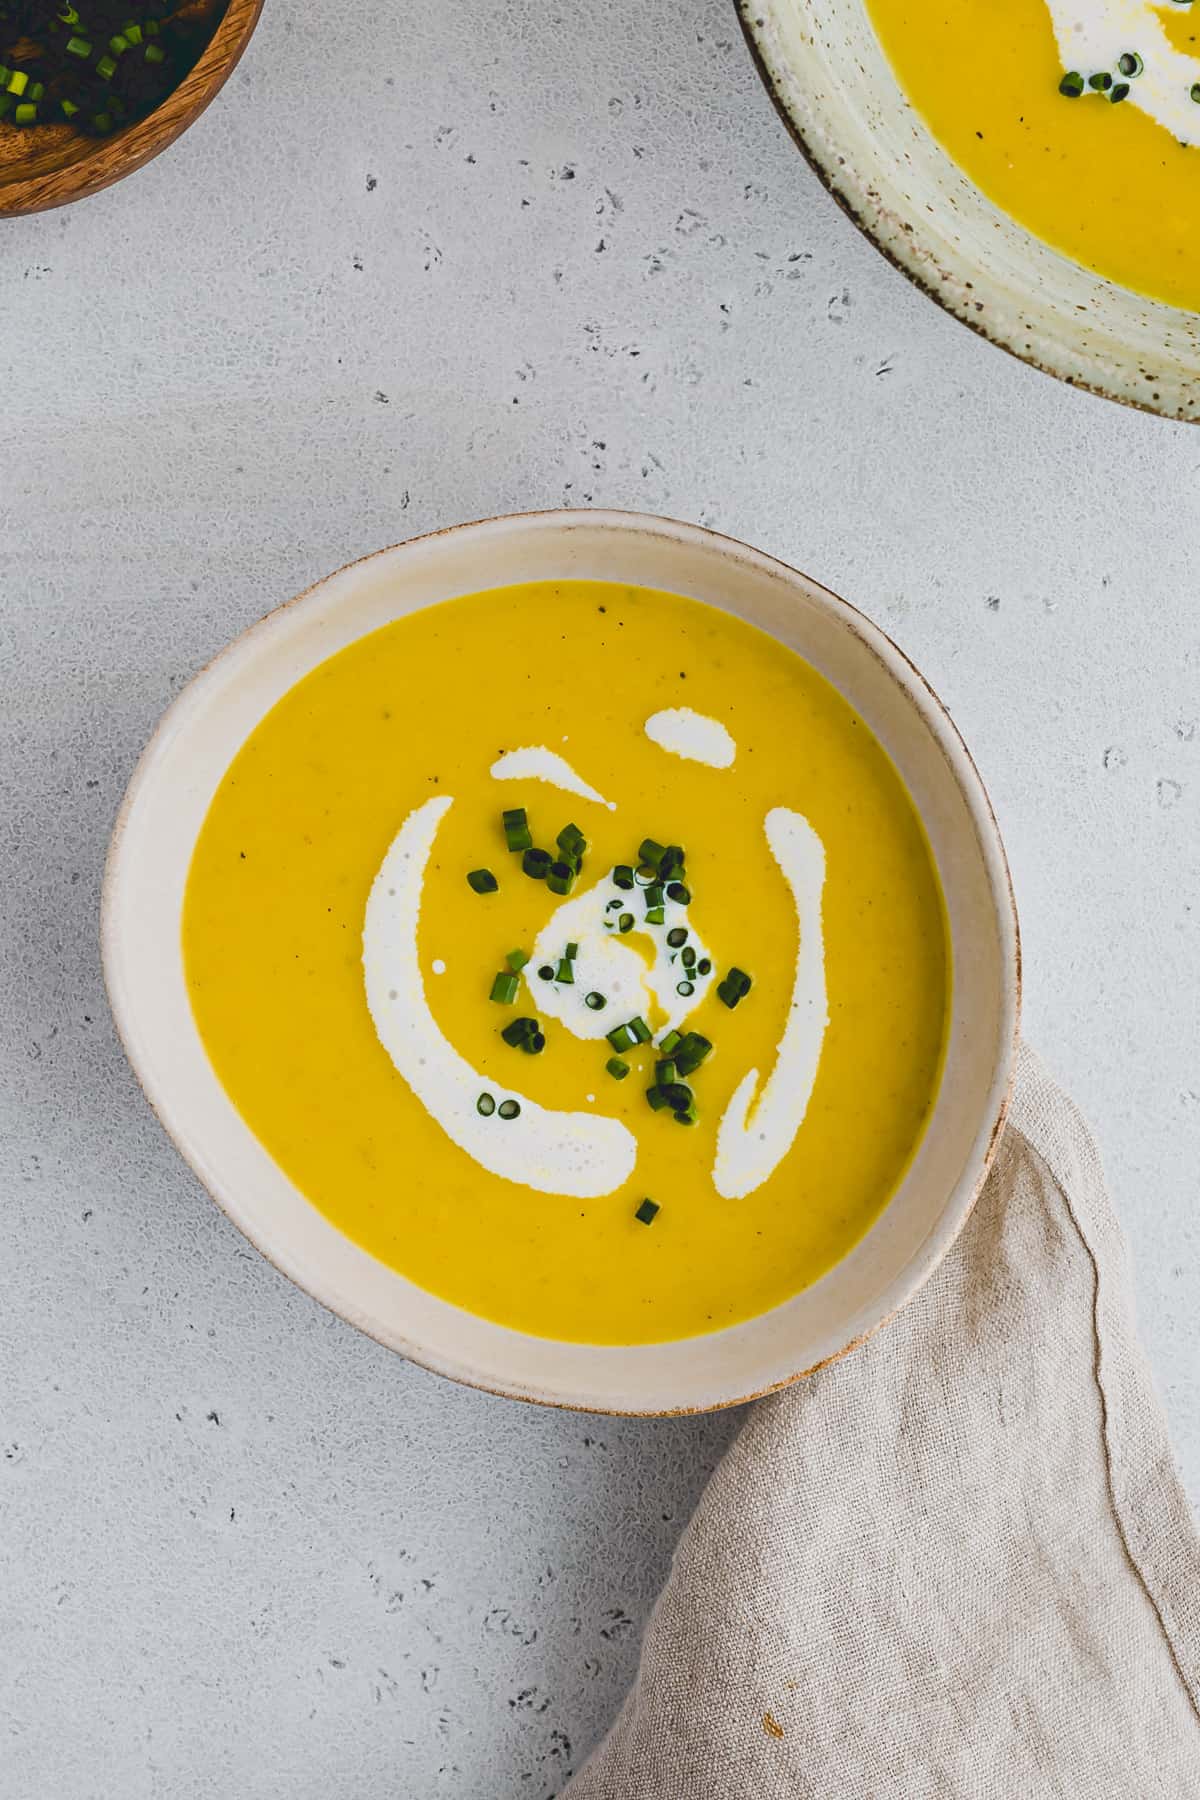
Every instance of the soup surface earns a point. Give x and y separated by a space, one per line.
711 976
1110 174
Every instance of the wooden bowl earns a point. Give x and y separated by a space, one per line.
53 165
828 76
143 959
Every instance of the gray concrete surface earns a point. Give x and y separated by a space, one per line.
421 264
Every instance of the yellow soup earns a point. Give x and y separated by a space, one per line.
1113 185
734 1005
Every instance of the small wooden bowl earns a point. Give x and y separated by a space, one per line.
53 165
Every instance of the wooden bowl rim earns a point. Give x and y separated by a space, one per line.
115 157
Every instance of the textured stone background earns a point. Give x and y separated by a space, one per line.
420 264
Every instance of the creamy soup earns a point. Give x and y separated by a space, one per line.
1081 118
578 952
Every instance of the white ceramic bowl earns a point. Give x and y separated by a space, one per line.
835 89
143 897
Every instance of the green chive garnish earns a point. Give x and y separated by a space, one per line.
1101 81
1120 92
685 988
655 915
485 1106
536 864
516 960
665 1072
564 972
616 1068
504 987
644 874
680 894
483 881
25 114
154 54
640 1030
657 1099
597 1002
132 32
1071 85
625 922
691 1052
686 1115
1195 92
676 1094
509 1109
623 876
560 878
670 863
677 936
17 82
687 955
735 987
704 966
118 44
647 1212
621 1038
517 1033
107 68
546 972
614 906
571 841
655 894
650 852
1130 64
671 1042
534 1044
516 829
572 951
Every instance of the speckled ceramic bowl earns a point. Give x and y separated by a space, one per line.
837 94
143 900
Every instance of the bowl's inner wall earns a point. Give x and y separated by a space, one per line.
836 88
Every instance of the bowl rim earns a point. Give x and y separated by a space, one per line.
749 15
139 143
957 1210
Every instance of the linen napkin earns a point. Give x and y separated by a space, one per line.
959 1562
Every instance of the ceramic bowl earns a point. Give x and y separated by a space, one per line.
54 165
143 898
835 89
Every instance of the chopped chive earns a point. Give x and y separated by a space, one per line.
102 122
644 874
504 987
614 906
36 91
25 114
485 1106
679 893
623 876
655 894
513 816
665 1072
1130 64
154 54
509 1109
69 108
656 1098
686 1115
621 1038
516 960
735 987
483 881
655 915
670 1042
677 936
616 1068
1195 92
106 66
651 852
640 1030
564 972
625 922
692 1052
685 988
670 862
534 1044
118 44
1101 81
519 1032
546 972
647 1212
1120 92
517 834
597 1002
132 32
572 951
560 878
536 864
1071 85
17 82
571 841
677 1095
687 955
704 966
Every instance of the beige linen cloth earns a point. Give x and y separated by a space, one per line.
958 1562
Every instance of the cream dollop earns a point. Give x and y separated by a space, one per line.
693 735
536 763
557 1153
1092 36
751 1146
